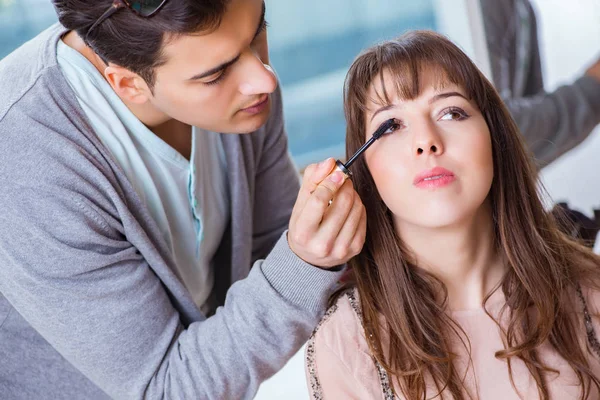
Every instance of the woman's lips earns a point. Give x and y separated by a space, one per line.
434 178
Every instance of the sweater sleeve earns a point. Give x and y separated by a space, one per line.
71 264
555 122
277 183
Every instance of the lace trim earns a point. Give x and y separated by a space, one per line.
310 357
589 328
384 379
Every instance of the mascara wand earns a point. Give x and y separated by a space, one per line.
345 168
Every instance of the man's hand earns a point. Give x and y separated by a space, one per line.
594 71
328 223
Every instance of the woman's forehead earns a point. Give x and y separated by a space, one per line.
390 87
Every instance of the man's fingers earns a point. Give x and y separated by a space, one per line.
320 172
337 213
359 236
318 202
348 241
328 221
313 175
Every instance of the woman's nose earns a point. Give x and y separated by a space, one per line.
427 141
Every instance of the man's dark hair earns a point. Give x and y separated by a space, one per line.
134 42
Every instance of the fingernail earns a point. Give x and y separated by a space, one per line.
337 177
323 163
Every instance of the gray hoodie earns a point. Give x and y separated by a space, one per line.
89 304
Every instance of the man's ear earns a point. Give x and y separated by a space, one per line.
128 85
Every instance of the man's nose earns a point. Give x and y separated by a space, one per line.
259 78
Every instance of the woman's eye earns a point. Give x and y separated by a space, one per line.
395 126
454 114
391 129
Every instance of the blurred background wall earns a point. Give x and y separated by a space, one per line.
312 44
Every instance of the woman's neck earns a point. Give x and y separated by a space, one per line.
463 256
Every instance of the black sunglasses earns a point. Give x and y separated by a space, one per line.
143 8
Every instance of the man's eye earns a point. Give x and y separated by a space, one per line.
217 79
263 27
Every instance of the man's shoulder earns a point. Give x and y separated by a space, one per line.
46 141
22 69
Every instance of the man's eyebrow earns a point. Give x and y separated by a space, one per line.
229 63
216 69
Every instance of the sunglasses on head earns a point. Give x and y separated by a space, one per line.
143 8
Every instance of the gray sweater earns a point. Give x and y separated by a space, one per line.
551 123
89 303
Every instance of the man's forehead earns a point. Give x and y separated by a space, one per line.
220 43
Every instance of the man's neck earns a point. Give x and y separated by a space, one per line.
73 40
463 256
175 133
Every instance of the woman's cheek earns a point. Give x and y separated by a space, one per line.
389 178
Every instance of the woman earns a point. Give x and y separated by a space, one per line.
465 287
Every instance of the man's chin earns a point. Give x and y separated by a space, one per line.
249 123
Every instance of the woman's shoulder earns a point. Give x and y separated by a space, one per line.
342 322
338 359
340 333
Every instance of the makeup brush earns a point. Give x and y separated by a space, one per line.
345 168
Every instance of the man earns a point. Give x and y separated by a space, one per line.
552 123
125 217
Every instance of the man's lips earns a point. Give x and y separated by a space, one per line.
258 105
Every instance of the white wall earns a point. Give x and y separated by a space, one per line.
461 21
570 41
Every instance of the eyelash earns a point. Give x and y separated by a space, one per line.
216 81
457 110
263 27
397 125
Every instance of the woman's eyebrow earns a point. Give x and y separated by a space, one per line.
445 95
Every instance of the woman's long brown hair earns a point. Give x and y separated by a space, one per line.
544 265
